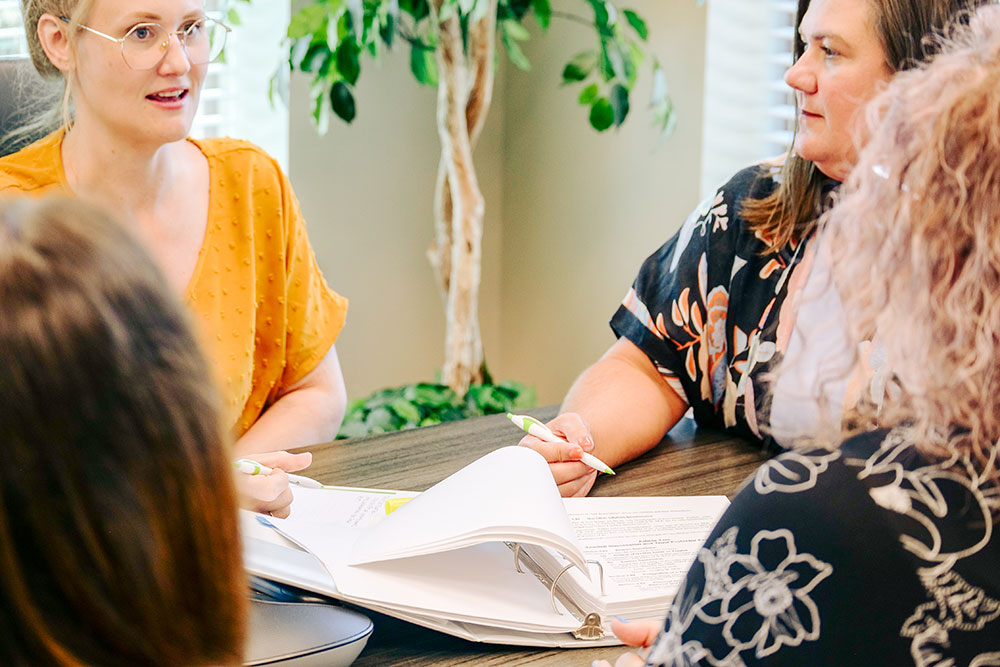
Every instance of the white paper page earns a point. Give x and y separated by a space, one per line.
645 544
507 494
476 584
320 509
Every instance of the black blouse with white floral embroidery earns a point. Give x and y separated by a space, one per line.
706 308
866 555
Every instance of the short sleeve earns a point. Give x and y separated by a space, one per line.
315 313
677 310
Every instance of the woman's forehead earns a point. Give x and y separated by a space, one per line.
849 20
120 10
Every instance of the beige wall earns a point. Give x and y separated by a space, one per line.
570 214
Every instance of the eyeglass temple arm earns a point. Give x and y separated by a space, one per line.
96 32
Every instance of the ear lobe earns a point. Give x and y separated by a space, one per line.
54 38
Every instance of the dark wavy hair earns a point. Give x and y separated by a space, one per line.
118 517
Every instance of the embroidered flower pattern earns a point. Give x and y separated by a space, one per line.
743 601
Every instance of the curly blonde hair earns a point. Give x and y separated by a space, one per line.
915 244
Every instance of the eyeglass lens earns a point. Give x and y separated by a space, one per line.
144 45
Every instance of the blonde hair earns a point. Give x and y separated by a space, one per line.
48 117
915 243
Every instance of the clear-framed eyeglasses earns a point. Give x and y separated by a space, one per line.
145 44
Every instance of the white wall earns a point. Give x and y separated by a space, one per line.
581 209
570 213
367 193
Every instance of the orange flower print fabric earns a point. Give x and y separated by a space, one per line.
705 308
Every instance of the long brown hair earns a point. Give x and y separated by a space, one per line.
118 534
905 29
915 246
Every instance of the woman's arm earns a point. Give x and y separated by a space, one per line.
617 409
307 412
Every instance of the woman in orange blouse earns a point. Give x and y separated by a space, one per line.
218 215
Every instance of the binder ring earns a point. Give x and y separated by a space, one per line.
552 588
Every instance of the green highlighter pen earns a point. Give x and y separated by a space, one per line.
536 428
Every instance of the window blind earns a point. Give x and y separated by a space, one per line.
749 110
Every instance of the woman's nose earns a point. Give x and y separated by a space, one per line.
175 58
800 76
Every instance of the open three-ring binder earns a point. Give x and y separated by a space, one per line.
491 554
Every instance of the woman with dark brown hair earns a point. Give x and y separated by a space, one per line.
118 528
710 312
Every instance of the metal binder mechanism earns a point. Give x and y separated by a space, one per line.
591 628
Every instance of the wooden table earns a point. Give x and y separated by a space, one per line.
688 462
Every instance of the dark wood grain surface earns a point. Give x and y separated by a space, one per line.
688 462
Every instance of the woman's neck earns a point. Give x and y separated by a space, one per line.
127 177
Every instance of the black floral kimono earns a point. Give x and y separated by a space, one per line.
707 308
865 555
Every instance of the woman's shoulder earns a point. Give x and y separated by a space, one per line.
237 154
33 168
756 181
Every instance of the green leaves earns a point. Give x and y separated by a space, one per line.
348 63
308 21
426 404
602 116
327 38
512 32
610 71
423 64
637 23
342 101
580 67
543 12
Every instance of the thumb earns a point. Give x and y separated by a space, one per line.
637 633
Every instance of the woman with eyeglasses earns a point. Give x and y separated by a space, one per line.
218 215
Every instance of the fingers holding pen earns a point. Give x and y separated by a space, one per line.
552 451
565 438
570 427
267 494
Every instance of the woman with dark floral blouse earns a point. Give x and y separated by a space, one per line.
709 313
884 550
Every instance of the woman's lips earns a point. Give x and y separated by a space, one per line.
168 96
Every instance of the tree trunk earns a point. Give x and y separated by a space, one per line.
464 92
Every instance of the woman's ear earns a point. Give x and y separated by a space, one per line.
54 37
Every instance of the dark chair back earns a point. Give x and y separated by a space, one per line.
23 95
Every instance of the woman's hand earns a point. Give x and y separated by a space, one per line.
572 477
637 633
270 494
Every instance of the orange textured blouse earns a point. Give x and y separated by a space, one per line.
263 310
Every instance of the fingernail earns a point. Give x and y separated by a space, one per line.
577 453
621 620
587 443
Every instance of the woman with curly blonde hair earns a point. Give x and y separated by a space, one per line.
883 550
